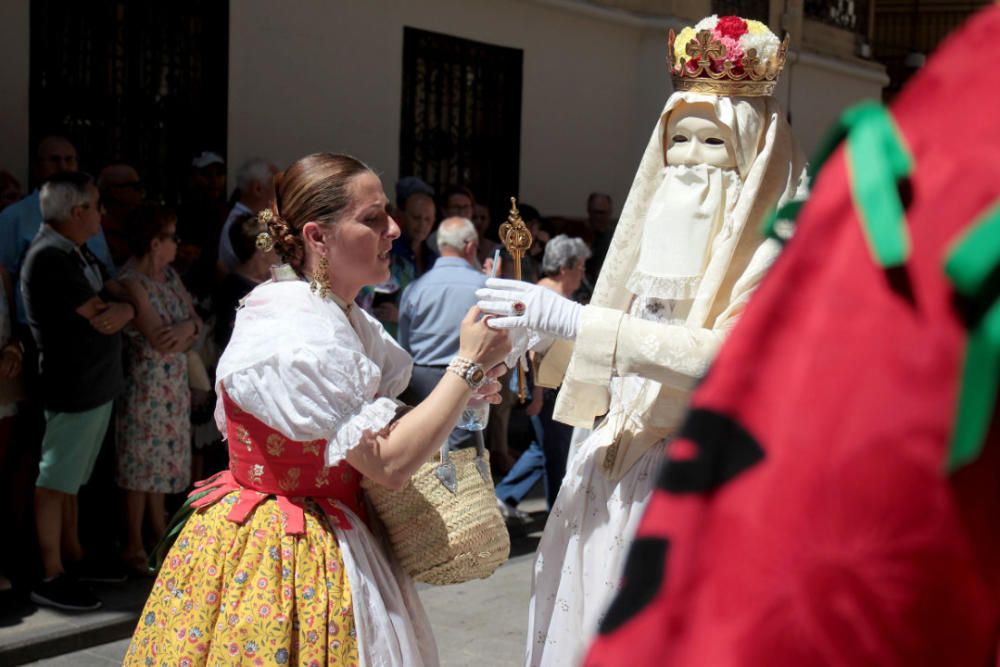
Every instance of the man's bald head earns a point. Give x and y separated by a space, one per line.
55 155
116 174
120 185
418 216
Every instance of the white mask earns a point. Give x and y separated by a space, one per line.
687 212
694 135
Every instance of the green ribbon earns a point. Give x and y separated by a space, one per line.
973 265
177 524
789 212
877 159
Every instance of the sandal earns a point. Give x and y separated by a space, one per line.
138 564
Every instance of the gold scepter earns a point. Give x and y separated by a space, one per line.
517 239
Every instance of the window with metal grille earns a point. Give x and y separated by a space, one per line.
758 10
461 115
906 32
142 82
845 14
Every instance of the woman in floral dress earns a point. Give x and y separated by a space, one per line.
276 564
153 417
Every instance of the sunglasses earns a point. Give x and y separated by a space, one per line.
138 186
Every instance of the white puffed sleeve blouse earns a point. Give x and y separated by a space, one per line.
311 368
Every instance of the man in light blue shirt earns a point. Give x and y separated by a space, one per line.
20 222
255 180
432 308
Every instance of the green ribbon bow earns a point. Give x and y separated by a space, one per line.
973 265
877 159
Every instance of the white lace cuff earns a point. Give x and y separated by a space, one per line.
372 417
596 344
663 287
522 340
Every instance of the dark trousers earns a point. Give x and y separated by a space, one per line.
529 468
556 440
422 383
546 456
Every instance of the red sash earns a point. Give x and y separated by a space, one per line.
264 463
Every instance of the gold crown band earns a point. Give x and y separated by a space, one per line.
725 87
757 78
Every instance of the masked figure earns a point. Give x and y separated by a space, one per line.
686 256
833 496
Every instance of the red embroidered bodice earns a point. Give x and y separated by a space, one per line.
264 463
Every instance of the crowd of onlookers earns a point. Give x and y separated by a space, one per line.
115 308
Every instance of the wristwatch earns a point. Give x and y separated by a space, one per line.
468 370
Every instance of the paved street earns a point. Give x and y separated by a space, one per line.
478 623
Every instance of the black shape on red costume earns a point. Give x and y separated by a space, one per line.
724 450
643 577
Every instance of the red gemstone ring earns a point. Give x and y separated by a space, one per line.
519 308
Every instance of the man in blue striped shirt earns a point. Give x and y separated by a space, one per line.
432 308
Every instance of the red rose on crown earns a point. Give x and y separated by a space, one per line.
731 26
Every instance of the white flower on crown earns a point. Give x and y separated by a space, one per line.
757 36
707 23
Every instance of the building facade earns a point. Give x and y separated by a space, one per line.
331 74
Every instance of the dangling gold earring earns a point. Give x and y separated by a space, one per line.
320 283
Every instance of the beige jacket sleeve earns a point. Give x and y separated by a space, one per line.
670 354
676 355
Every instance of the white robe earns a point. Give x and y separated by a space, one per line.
582 552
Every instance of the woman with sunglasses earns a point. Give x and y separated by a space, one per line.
153 417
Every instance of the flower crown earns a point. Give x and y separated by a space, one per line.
726 56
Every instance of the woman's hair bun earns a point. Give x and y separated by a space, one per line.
285 241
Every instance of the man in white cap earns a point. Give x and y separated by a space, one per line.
686 255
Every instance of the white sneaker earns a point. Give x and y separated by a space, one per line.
511 513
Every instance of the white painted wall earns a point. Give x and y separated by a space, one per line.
327 75
14 54
654 89
822 88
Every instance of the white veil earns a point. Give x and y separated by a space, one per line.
772 167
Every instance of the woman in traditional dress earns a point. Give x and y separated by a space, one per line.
686 256
277 564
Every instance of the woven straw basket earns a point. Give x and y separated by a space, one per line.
444 526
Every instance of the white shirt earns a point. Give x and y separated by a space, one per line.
309 370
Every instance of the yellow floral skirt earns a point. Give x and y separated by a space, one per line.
248 594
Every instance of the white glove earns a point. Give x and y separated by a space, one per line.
523 340
536 308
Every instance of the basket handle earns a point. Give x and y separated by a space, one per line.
448 475
481 465
446 472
